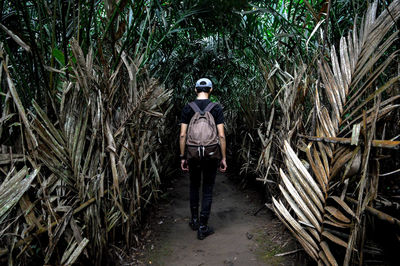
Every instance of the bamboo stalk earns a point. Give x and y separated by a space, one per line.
377 213
387 144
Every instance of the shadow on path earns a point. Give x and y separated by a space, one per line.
240 238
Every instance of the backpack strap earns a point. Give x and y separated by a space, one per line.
196 108
210 106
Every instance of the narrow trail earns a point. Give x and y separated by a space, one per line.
240 238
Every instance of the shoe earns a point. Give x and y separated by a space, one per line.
194 224
204 231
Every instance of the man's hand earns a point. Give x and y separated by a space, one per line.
184 165
223 166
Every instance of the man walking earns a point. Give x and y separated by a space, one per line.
198 118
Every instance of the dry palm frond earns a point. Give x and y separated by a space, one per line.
32 142
347 83
100 161
282 122
12 189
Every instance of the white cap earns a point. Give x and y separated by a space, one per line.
203 83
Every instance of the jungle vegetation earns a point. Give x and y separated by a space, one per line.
90 97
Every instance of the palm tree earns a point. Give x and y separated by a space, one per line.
320 203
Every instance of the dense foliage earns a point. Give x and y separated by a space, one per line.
91 93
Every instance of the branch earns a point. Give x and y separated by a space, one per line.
387 144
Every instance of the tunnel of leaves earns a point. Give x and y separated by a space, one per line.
90 100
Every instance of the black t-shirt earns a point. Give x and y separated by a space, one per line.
188 113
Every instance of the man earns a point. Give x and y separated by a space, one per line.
207 167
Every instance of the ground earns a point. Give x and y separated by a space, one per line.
240 237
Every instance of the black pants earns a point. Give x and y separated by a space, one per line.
209 170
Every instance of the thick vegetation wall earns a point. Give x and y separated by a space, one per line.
91 95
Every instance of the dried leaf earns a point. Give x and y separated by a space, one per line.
337 214
290 153
328 253
334 239
16 38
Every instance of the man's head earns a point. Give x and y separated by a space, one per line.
203 85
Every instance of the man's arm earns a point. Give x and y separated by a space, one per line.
182 144
182 138
222 141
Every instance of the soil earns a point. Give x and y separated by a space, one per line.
240 237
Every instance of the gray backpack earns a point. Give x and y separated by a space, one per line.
202 139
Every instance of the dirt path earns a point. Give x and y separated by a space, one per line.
240 238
